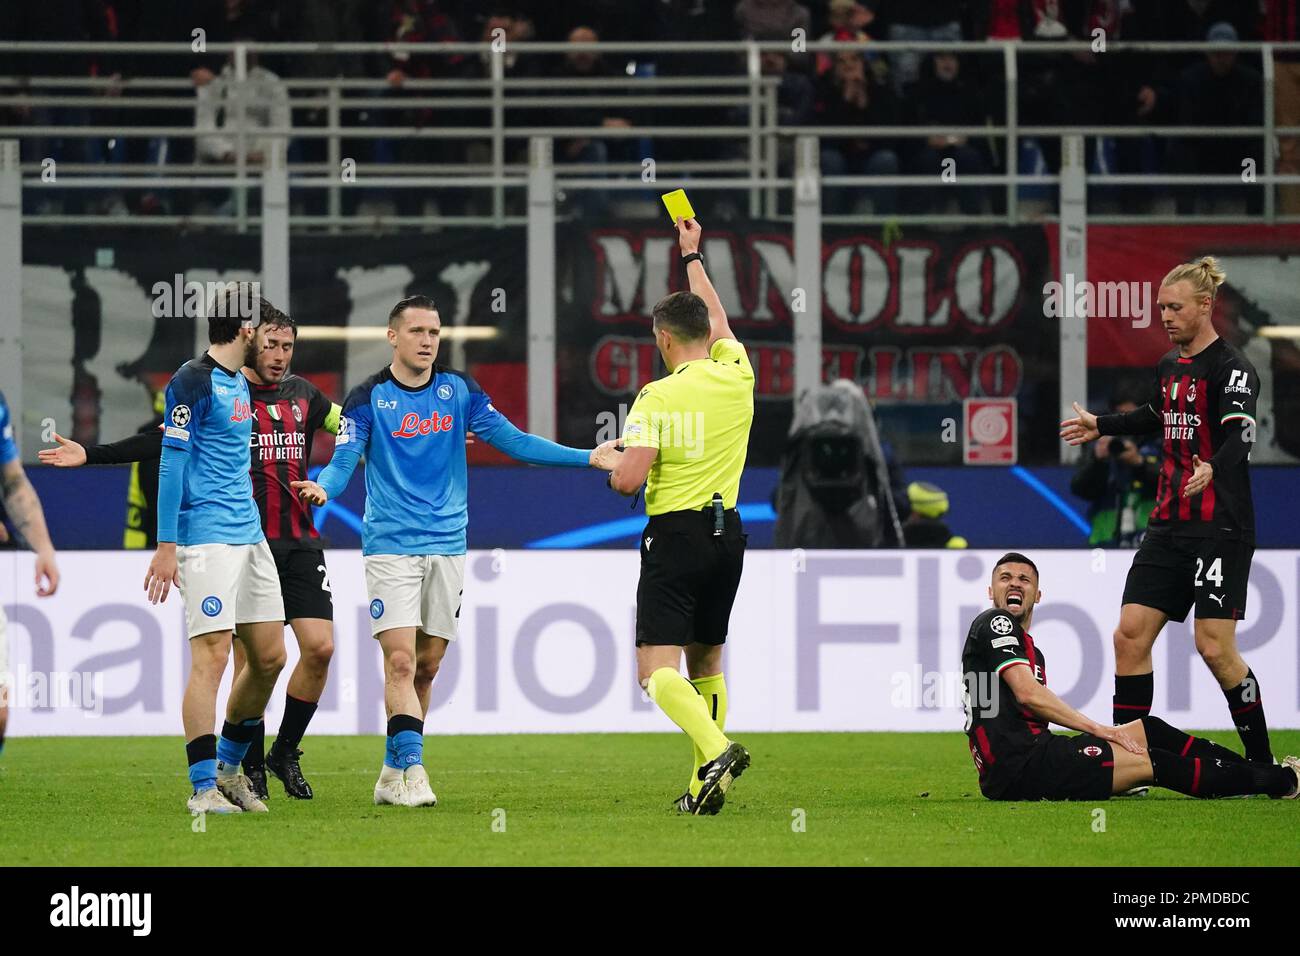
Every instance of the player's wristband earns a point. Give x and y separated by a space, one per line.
692 257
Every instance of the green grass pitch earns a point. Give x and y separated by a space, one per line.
592 799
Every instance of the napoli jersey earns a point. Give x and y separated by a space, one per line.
413 440
208 414
8 445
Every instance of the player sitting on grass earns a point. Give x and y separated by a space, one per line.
1008 707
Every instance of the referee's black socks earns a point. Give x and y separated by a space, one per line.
1247 709
1133 696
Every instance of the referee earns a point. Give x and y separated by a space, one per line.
685 439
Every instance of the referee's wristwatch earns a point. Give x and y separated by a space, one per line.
692 257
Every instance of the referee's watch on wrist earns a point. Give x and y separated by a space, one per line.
692 257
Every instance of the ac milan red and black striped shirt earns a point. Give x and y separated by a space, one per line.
1205 406
285 419
1001 732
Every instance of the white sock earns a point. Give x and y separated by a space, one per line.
389 775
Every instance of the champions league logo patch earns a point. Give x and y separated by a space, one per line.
181 416
444 391
1001 624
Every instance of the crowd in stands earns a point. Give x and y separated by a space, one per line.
850 89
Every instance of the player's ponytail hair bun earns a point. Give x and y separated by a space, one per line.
1204 275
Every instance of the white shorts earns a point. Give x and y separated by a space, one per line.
225 585
415 590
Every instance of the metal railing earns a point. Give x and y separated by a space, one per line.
757 134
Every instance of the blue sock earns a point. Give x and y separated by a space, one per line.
203 775
390 755
234 742
409 748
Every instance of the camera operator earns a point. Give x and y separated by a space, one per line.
1117 476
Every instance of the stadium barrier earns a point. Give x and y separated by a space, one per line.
848 641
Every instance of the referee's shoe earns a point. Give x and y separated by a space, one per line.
716 778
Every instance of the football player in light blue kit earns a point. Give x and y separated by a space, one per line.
24 510
223 565
410 422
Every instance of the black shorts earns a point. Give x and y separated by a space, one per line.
1065 768
304 583
689 578
1172 573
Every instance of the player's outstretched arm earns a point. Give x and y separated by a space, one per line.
1044 703
24 510
688 237
146 446
497 430
333 478
352 429
1082 428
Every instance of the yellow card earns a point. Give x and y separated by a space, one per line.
678 206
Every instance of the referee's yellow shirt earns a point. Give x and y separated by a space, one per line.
699 418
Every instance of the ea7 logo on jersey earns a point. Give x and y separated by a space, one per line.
386 403
1237 382
1001 625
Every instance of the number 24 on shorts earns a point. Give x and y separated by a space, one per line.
1213 574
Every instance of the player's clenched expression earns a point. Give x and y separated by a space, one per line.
275 353
1182 312
414 338
1014 589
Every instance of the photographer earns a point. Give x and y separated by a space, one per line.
1117 476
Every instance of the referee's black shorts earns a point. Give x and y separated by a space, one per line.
689 577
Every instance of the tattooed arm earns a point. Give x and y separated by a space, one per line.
24 510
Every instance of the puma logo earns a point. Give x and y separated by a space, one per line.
1217 597
1241 405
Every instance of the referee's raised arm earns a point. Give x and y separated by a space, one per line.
688 234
